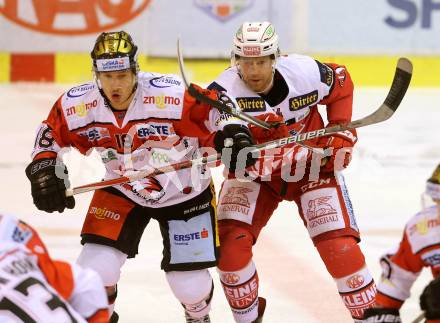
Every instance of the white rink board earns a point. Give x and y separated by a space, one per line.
387 175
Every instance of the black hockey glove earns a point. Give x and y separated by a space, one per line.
378 314
430 300
48 177
235 137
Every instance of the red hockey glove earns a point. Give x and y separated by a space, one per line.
199 112
342 144
263 135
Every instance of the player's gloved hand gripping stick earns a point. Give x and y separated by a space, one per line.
399 86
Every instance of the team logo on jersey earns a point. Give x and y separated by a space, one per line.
22 233
82 109
95 134
223 10
148 189
326 72
303 101
251 104
164 81
355 281
80 90
320 211
161 101
340 75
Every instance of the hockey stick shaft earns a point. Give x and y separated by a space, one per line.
401 81
223 107
143 174
419 318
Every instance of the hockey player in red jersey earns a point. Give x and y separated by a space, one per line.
137 121
288 89
419 248
36 288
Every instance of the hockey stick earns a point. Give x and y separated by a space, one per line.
401 81
143 174
225 108
419 318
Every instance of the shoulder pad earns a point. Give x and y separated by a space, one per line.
160 81
80 90
13 230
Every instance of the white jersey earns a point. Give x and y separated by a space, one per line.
308 82
419 248
34 288
155 131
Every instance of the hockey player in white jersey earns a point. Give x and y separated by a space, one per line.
287 90
138 121
419 248
35 288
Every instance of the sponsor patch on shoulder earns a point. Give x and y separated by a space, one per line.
80 90
326 72
251 104
164 81
340 75
22 233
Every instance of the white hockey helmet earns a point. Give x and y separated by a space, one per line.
433 184
256 39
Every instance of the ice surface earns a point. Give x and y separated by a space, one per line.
385 179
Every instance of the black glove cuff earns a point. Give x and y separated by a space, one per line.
233 131
38 165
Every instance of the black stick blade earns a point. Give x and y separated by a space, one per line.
400 84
